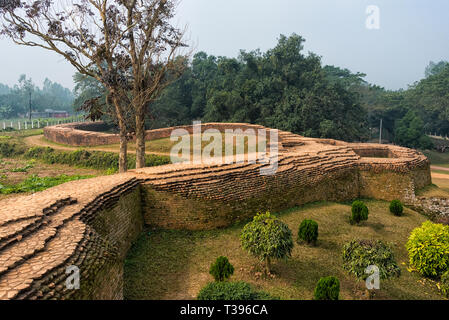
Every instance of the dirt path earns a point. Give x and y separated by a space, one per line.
440 176
40 142
439 168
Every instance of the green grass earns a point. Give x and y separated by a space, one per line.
437 158
100 160
35 183
24 168
440 171
175 264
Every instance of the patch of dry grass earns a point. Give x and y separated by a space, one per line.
175 264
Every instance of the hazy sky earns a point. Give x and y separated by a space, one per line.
412 33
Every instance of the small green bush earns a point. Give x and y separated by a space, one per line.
232 291
82 158
222 269
360 254
428 249
267 237
11 149
444 284
308 231
396 207
327 288
359 212
90 159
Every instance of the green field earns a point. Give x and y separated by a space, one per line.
175 264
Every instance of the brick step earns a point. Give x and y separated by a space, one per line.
26 248
27 227
58 249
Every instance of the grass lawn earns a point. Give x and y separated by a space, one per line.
437 158
175 264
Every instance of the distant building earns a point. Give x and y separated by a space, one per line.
49 113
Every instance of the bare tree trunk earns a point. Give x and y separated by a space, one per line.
267 265
140 140
123 155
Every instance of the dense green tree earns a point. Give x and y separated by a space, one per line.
14 102
410 132
287 89
267 238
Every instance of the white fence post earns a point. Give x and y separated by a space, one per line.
18 124
4 125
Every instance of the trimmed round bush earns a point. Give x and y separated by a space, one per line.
308 231
360 254
428 249
327 288
221 269
266 237
396 207
444 284
232 291
359 212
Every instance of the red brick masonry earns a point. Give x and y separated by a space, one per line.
91 223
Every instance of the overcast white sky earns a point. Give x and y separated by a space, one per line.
412 33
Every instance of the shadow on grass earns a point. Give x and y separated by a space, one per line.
155 264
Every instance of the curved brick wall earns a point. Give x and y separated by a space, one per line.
85 134
92 223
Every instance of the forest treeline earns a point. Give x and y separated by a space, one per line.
282 88
15 100
287 89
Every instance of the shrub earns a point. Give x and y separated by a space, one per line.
444 284
359 254
359 212
428 249
11 149
90 159
396 207
82 158
221 269
231 291
267 238
327 288
308 231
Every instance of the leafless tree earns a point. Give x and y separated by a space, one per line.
129 46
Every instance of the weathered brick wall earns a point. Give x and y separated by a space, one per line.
195 209
85 134
118 225
92 223
77 134
89 224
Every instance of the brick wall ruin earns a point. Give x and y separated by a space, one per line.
91 223
85 134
